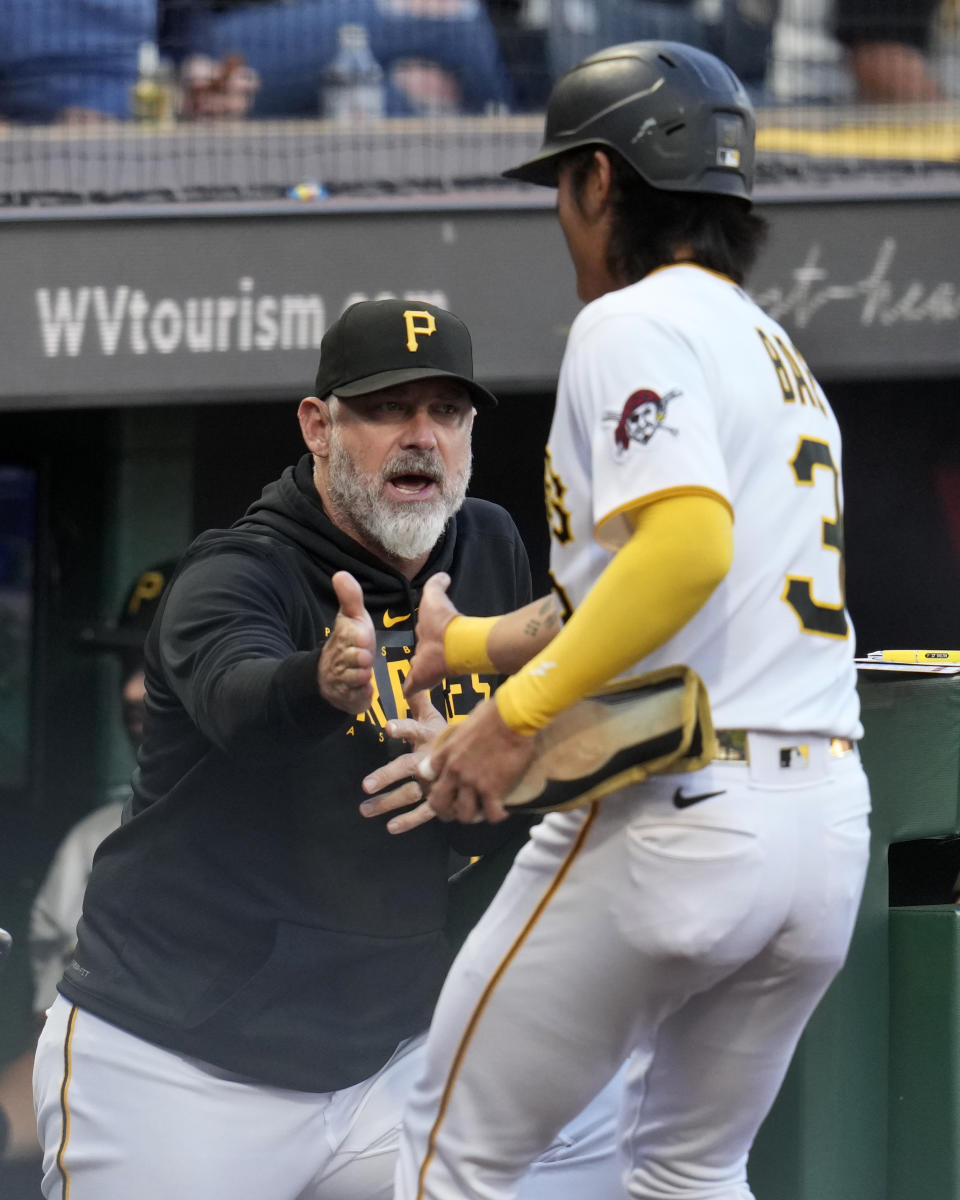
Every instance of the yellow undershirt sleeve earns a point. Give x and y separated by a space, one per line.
465 644
680 550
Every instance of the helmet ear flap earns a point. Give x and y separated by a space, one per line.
679 116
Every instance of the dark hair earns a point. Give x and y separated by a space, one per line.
649 224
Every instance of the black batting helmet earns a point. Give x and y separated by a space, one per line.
678 115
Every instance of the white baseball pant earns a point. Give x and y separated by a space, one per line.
694 940
119 1117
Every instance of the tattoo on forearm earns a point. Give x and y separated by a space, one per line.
546 617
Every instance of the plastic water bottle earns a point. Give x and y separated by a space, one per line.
352 85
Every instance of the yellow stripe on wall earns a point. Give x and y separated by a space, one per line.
938 141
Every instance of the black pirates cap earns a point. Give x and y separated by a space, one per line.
140 604
379 343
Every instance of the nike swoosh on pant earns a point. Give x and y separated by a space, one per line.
682 801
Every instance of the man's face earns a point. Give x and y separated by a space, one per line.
398 464
584 220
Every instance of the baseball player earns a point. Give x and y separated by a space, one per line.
691 923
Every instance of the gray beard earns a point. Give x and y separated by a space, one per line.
403 530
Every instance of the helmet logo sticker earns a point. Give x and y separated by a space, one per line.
729 141
641 417
647 127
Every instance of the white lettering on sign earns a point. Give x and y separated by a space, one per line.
63 319
123 319
436 297
880 300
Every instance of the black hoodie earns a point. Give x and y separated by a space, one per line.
245 913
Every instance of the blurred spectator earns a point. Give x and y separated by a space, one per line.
808 64
521 27
56 908
901 50
78 61
72 60
438 55
738 31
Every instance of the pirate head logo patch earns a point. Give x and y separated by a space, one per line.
641 417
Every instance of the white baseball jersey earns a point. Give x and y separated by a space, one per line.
57 907
680 384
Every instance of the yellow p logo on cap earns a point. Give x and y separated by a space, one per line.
429 326
149 586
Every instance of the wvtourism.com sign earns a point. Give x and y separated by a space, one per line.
96 319
129 310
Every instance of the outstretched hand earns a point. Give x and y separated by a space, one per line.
429 665
418 731
345 670
473 767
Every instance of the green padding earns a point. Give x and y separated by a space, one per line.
924 1154
911 751
826 1138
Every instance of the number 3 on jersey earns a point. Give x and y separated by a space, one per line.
827 620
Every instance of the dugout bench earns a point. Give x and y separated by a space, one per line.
870 1108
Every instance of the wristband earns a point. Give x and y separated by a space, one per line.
465 644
